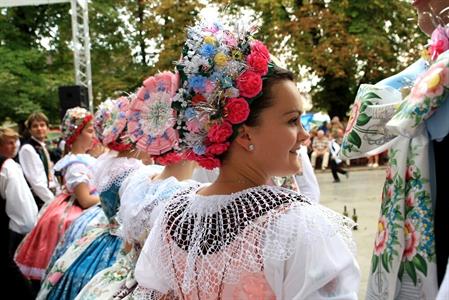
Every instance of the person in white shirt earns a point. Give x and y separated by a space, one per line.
335 161
35 160
19 202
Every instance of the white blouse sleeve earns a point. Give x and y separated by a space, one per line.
77 173
34 171
20 205
321 266
146 272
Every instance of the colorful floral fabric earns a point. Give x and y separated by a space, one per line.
403 262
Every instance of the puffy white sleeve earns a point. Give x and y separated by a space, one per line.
20 205
146 272
443 292
77 173
321 266
34 171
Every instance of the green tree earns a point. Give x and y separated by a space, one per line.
343 42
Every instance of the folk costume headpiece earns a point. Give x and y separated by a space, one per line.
110 124
152 120
73 123
221 74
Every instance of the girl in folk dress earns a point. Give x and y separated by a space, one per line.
78 194
99 247
143 194
239 238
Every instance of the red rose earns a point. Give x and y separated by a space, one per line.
218 133
198 98
236 110
259 47
258 63
249 84
217 149
208 162
169 158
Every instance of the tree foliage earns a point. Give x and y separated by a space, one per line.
343 42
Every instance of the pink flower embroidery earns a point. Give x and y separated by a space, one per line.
354 115
410 200
431 83
54 278
411 240
382 236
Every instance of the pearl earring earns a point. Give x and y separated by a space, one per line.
251 147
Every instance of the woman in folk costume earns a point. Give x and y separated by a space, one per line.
239 238
78 194
100 246
94 216
152 126
407 114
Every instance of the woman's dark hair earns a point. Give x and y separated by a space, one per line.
276 74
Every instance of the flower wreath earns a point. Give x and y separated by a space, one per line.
221 73
110 123
75 119
151 118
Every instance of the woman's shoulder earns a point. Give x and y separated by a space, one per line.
71 159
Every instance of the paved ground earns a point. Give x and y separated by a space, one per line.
361 191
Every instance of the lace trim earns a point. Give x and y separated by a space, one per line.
113 170
202 242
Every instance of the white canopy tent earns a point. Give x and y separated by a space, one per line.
80 38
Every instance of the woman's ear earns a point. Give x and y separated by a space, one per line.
244 138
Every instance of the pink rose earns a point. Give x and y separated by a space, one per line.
208 162
411 240
218 133
439 42
249 84
217 149
410 200
354 115
409 173
193 125
431 83
258 63
54 278
382 237
259 47
236 110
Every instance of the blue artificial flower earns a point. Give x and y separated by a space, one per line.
208 50
199 149
197 83
190 113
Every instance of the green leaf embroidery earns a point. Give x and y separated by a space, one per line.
363 119
420 264
374 263
371 95
354 139
401 272
385 262
410 269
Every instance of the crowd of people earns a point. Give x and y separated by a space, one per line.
200 187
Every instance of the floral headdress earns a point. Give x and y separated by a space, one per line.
221 72
438 43
110 123
151 118
75 119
